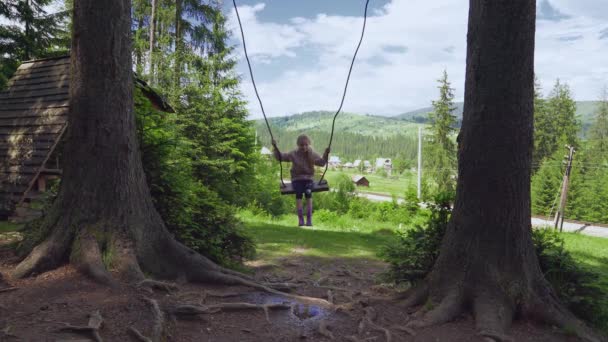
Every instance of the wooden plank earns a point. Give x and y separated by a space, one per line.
35 113
35 99
25 146
31 130
40 121
42 74
63 68
24 160
317 187
6 155
18 169
35 93
45 63
35 105
47 85
21 139
35 81
13 188
16 178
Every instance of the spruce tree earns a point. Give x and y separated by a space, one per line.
544 129
562 111
441 148
598 134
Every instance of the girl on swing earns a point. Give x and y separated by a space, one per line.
303 160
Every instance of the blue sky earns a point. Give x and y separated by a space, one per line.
301 51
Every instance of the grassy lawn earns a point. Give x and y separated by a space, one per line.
279 238
6 227
377 183
592 252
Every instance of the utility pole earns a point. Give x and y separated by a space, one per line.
419 162
559 214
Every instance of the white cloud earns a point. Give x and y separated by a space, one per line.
431 37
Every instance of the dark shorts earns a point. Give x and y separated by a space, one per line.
302 188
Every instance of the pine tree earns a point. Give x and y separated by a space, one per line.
441 148
544 129
35 33
546 186
562 111
598 134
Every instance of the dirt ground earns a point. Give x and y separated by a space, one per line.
41 305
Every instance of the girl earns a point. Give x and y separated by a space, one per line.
303 160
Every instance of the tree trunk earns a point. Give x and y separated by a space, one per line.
152 36
487 261
103 218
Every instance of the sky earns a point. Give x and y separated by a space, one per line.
301 51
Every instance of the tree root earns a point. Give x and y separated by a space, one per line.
87 259
193 310
330 297
324 331
139 336
368 320
449 307
159 285
406 330
495 336
493 315
415 296
95 322
159 320
9 289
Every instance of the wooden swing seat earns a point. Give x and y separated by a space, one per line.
316 187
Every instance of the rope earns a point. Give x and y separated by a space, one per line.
352 63
333 124
238 17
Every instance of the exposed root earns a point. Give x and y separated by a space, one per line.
330 297
159 320
495 336
95 322
287 287
139 336
86 257
449 307
415 296
9 289
406 330
47 255
125 260
493 315
193 310
323 330
368 320
159 285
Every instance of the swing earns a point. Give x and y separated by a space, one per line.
321 184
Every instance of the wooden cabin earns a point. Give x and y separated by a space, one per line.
360 180
33 120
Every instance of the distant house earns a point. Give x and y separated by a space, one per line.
385 163
34 119
334 161
349 165
265 151
360 180
357 163
367 164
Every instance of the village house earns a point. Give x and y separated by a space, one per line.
360 180
33 120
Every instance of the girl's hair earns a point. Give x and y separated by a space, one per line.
309 156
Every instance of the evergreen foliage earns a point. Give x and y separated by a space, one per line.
440 147
31 33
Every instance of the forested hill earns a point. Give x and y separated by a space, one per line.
356 136
585 111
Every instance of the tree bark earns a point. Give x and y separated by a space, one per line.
103 220
487 261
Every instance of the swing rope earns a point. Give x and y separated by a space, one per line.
352 63
350 70
238 17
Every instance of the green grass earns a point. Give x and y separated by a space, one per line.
281 237
6 227
378 184
591 252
